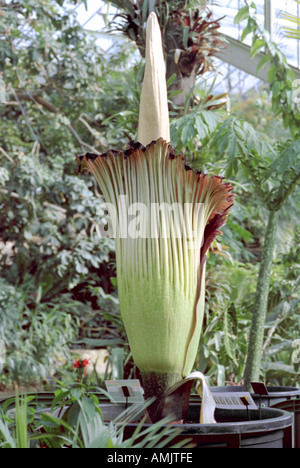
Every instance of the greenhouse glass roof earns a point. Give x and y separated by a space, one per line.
234 65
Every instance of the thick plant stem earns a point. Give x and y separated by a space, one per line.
155 385
256 336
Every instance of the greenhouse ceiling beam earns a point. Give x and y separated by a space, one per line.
238 54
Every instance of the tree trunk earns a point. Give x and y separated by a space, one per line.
182 83
256 336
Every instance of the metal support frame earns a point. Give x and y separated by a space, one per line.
268 16
238 54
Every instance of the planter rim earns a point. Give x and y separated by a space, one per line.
272 419
274 391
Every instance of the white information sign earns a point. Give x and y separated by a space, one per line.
234 400
125 391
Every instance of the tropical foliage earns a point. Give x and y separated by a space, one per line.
75 420
66 96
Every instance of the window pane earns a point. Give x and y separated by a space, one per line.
230 9
288 45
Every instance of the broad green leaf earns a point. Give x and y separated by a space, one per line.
201 128
290 74
76 392
232 147
242 14
245 33
278 369
276 87
258 44
263 62
88 406
188 132
145 10
272 73
59 398
72 413
186 31
211 118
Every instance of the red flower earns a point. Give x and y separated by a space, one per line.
77 364
81 364
85 363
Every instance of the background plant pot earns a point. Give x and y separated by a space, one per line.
234 430
281 397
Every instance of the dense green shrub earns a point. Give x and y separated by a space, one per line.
57 96
36 334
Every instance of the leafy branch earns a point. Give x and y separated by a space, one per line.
54 110
273 169
280 75
275 172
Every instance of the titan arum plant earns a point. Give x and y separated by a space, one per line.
161 265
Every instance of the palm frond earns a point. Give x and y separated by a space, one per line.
291 32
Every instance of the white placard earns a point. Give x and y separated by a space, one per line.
125 391
227 400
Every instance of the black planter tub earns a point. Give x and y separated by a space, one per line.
234 430
280 397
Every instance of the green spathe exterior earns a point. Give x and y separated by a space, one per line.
161 279
158 317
